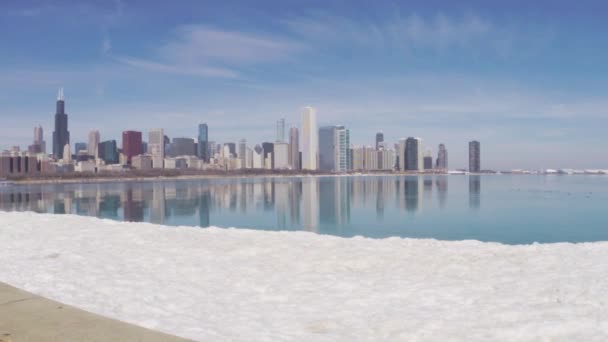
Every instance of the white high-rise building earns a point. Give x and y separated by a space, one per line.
242 152
294 148
281 155
156 147
310 140
93 147
67 154
280 130
401 154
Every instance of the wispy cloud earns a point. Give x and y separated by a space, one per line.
436 31
188 70
194 43
208 52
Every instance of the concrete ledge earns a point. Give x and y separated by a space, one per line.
25 317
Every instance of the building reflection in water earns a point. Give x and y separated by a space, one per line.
310 203
441 184
474 191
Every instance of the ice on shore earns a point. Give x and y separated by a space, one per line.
244 285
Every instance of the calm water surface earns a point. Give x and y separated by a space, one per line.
503 208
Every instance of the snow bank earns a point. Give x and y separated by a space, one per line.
243 285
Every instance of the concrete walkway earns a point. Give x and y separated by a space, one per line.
25 317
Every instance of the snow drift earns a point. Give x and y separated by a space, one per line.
241 285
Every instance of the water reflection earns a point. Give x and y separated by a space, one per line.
474 191
309 203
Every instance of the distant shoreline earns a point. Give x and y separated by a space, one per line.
136 177
87 179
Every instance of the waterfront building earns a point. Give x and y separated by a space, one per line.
379 140
39 145
249 158
281 130
231 148
386 159
67 154
19 164
258 157
79 147
182 147
93 146
203 142
413 154
294 148
142 162
401 154
327 154
309 139
428 160
131 145
442 158
156 147
107 152
61 135
281 156
243 152
474 156
268 148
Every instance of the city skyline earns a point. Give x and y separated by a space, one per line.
499 73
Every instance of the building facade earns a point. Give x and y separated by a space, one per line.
183 147
294 148
379 140
203 143
310 140
93 146
156 147
131 145
108 152
474 156
442 158
61 135
413 154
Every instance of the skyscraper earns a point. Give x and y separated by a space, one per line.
379 139
107 152
334 153
93 146
309 139
203 142
442 158
327 155
294 148
243 152
268 153
131 144
428 160
474 156
61 135
281 130
401 154
156 147
39 139
413 154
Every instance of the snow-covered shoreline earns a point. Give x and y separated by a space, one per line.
234 284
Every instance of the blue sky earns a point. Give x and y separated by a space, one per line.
528 79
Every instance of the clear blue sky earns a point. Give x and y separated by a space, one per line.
526 78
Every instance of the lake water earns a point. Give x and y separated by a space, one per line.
511 209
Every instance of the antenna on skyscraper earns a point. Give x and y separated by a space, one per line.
60 94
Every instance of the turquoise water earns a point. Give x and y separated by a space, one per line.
511 209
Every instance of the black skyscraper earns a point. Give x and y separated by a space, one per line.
61 135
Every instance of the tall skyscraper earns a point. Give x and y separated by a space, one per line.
281 130
268 153
343 161
401 154
428 160
442 158
413 154
156 147
327 155
280 154
310 148
294 148
39 139
93 146
61 135
243 152
203 142
131 144
67 154
379 139
474 156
